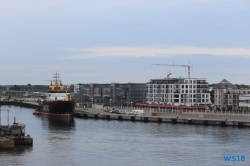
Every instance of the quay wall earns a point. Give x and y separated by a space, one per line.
21 104
239 121
187 119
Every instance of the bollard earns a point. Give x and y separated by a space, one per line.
85 116
132 118
240 124
145 119
96 116
223 123
174 121
108 117
119 117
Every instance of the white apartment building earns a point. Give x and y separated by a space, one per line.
178 91
74 88
244 99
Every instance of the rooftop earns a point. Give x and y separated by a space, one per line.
224 84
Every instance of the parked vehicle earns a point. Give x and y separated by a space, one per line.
129 112
122 111
138 112
114 111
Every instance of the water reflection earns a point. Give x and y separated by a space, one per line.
58 124
19 149
22 149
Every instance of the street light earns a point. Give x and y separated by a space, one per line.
121 101
110 102
92 100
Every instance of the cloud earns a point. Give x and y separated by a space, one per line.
152 51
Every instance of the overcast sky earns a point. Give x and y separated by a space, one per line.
104 41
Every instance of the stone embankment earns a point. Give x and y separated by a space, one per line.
167 118
222 119
21 104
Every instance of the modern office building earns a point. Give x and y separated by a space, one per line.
74 88
178 91
113 92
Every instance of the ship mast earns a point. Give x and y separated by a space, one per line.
56 79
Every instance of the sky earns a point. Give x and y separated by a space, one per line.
105 41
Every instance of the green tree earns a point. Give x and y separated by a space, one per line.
212 96
15 87
229 108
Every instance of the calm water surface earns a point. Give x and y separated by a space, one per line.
101 142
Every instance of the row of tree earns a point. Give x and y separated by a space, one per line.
29 87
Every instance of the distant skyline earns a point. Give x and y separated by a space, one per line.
104 41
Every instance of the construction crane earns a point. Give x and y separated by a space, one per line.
188 66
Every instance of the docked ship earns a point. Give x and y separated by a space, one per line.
57 103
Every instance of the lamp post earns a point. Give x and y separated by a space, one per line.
110 102
103 100
131 105
92 101
121 101
150 108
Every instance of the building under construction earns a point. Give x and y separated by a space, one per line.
178 91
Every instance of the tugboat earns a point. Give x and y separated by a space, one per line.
57 103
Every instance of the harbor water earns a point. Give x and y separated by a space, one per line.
102 142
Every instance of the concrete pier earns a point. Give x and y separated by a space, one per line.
21 104
191 119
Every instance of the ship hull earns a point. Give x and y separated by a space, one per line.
51 115
56 109
60 107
